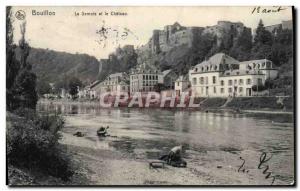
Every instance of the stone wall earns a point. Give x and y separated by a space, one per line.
177 35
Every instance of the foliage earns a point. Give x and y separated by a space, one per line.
254 103
12 64
20 81
32 142
74 85
259 88
122 60
53 66
25 82
277 46
32 139
241 49
262 37
159 87
43 87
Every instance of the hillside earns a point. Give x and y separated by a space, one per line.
51 65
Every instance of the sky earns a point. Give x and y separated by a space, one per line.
67 32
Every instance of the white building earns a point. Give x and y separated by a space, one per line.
223 76
114 83
182 84
144 78
86 92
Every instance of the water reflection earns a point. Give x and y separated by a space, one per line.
148 133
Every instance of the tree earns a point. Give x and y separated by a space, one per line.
159 87
282 48
262 36
12 64
25 83
43 87
263 40
242 46
74 85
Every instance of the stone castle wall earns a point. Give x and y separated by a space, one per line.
176 35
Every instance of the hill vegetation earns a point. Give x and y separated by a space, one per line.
58 67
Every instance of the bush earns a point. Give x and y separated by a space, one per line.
288 103
254 103
259 88
32 142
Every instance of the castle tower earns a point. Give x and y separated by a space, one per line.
155 42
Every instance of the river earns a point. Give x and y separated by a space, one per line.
210 140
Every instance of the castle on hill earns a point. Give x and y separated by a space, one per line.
177 35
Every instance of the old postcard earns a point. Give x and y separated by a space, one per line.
147 96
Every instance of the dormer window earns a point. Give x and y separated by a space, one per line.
196 69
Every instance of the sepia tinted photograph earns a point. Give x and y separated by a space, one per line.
150 96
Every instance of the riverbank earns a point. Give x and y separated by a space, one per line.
122 159
111 160
267 105
213 144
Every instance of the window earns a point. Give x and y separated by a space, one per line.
194 81
222 82
215 90
196 69
240 89
222 90
201 80
214 79
241 82
259 81
146 77
156 77
177 83
229 82
229 90
206 80
143 77
248 81
235 81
